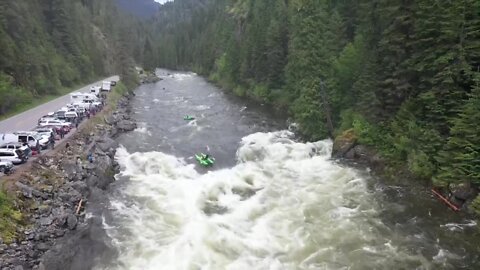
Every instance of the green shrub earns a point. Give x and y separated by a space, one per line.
476 205
9 218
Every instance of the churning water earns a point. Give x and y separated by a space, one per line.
270 202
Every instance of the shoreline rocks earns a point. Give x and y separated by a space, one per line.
346 147
149 78
55 192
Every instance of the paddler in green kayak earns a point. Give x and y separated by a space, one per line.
205 159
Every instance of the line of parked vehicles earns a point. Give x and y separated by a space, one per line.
18 146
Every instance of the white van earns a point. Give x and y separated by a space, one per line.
95 90
106 86
8 138
34 140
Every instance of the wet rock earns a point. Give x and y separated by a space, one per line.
42 246
18 267
344 143
101 182
126 125
244 193
107 144
103 164
463 192
72 221
350 154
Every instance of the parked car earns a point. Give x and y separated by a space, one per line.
14 156
95 90
49 130
113 83
60 114
26 151
33 139
47 117
46 134
6 166
71 114
56 123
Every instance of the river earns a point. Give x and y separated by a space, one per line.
269 202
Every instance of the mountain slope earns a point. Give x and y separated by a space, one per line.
140 8
61 43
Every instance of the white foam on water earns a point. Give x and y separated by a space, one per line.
459 226
285 205
142 128
182 76
201 108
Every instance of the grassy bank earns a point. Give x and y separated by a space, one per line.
9 218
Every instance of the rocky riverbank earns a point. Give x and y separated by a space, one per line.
54 194
346 147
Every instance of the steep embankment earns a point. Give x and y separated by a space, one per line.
50 198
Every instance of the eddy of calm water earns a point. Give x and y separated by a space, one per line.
283 205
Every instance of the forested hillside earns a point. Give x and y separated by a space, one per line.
404 75
49 45
140 8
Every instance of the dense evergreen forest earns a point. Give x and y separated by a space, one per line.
47 46
403 74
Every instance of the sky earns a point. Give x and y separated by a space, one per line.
162 1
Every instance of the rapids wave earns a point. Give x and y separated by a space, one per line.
285 205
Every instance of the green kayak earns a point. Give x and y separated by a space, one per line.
204 160
188 117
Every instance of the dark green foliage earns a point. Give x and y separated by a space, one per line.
401 73
9 218
460 158
49 45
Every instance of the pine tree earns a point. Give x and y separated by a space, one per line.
460 160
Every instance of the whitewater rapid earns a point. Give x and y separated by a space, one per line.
285 205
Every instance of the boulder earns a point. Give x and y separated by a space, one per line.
80 186
72 221
27 191
42 246
344 143
463 192
103 164
46 221
100 182
106 144
126 125
70 168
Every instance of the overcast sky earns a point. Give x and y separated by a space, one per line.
162 1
